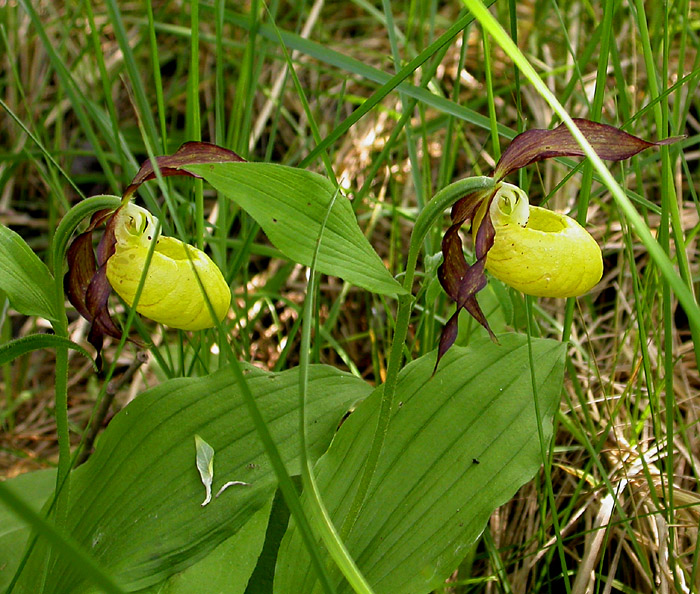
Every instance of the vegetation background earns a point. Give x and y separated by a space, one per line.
89 89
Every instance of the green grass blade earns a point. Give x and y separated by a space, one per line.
319 513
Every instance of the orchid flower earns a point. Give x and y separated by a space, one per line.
171 292
182 287
532 249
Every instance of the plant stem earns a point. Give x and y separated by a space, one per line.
60 327
62 431
427 217
319 514
65 230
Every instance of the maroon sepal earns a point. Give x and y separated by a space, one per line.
81 265
461 281
81 269
609 143
465 208
86 283
190 153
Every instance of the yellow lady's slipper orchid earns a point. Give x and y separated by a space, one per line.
532 249
182 285
537 251
172 293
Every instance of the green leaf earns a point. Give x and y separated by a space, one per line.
290 205
227 569
24 278
35 488
136 504
459 445
20 346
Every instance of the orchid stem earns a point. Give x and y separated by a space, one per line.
61 500
65 230
60 327
62 431
426 219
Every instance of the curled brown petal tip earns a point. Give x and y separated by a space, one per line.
81 269
81 265
454 264
86 284
108 242
465 208
447 338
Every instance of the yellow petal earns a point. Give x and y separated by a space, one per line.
537 251
171 294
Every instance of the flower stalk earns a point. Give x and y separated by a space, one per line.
432 212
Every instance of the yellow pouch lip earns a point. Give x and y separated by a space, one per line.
171 293
551 255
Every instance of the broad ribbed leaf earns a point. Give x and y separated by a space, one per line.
227 569
290 205
136 504
459 445
24 278
35 488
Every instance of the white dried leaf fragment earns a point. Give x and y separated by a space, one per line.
205 465
231 484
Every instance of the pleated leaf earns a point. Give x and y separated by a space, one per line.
136 504
290 205
227 569
35 488
24 278
459 445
